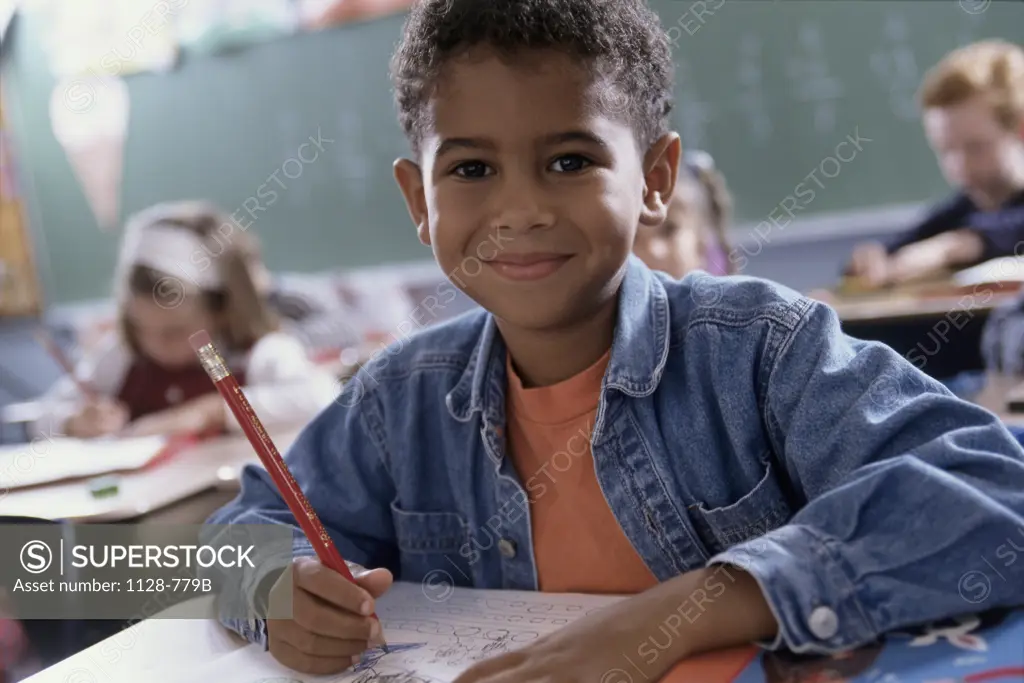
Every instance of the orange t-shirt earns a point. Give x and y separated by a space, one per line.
578 544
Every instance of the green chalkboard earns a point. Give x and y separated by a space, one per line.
770 88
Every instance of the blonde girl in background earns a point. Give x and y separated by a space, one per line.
182 269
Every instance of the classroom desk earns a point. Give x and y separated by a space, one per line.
151 650
167 650
919 322
176 491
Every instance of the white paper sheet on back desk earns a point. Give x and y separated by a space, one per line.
434 631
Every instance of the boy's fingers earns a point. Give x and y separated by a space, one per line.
376 581
318 616
321 646
291 657
325 583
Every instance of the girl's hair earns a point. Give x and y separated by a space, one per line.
240 306
718 199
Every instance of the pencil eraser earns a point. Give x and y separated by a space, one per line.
200 339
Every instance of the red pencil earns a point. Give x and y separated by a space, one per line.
62 360
297 502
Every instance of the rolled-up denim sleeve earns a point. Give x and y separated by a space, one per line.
911 496
339 462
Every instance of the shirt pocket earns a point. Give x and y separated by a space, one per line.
431 545
754 514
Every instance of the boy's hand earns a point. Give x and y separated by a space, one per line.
331 623
610 645
936 255
871 264
598 647
99 417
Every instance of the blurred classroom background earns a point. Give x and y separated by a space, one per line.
280 113
287 122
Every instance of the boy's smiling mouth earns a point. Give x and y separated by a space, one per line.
527 266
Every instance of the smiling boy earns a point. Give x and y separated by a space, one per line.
741 458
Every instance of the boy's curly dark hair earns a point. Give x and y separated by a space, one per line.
622 41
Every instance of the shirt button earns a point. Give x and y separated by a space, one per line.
507 548
824 623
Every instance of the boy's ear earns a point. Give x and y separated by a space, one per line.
661 167
410 181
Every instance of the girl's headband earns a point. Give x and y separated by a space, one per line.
177 252
698 161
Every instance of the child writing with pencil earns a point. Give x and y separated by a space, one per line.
712 446
973 114
694 234
180 271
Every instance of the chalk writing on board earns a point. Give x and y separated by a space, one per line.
812 80
752 100
895 65
694 113
352 163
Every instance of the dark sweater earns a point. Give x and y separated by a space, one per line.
1001 230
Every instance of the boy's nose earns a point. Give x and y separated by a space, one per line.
522 220
520 208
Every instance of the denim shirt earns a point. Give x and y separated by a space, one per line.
736 424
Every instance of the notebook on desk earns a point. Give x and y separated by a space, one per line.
999 275
47 460
435 632
1003 269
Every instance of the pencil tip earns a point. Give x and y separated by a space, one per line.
385 648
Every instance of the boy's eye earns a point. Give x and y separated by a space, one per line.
471 169
569 163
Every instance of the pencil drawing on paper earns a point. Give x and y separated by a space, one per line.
434 642
399 677
372 656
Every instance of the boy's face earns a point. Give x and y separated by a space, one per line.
976 153
529 190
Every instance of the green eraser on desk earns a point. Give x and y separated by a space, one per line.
102 487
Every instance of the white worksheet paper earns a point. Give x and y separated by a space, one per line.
434 635
55 459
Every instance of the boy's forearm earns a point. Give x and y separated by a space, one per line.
964 246
701 611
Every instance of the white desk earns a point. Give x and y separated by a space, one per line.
158 650
211 465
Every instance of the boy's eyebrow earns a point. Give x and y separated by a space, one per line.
449 144
574 136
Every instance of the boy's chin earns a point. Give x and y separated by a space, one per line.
537 315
